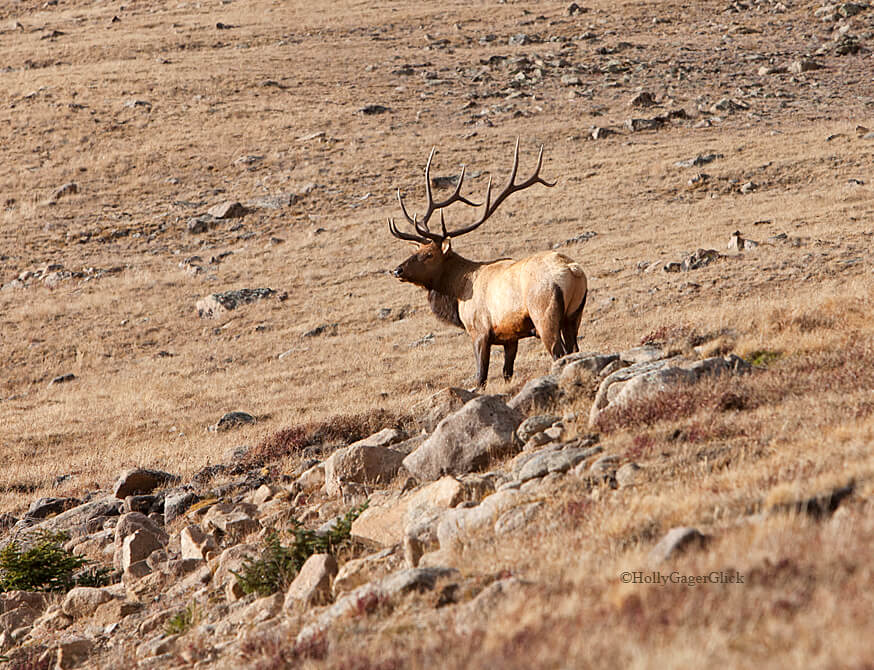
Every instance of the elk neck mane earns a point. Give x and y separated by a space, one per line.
453 285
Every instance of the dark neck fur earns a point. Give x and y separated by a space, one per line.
445 308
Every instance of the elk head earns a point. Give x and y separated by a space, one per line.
425 266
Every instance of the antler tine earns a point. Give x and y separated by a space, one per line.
510 188
404 236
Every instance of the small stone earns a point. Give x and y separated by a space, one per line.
676 540
232 420
194 543
62 379
370 110
70 188
228 210
82 601
137 546
534 425
218 304
571 80
642 99
804 65
628 475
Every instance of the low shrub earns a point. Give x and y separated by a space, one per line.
278 564
42 564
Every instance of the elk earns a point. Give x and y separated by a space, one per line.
497 302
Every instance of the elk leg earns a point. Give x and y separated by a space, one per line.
571 327
549 325
509 358
482 346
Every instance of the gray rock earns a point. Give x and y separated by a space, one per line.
516 518
645 354
592 361
218 303
554 461
312 585
642 99
537 393
534 425
200 224
432 410
137 547
70 188
675 541
628 475
140 480
804 65
232 420
176 503
467 440
45 507
361 464
62 379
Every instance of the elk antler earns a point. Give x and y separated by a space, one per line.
421 227
511 187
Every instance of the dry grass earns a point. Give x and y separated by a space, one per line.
151 376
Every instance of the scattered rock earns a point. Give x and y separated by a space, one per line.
738 243
196 544
83 601
628 475
324 329
556 461
370 110
71 188
804 65
218 303
46 507
533 425
700 159
642 99
431 411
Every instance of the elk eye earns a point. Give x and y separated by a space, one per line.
428 256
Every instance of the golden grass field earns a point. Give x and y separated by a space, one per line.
285 82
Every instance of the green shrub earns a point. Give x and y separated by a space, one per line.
44 565
278 565
763 358
182 621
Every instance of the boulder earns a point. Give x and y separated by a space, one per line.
357 571
45 507
467 440
312 586
141 480
83 601
137 546
72 652
433 410
361 463
382 525
538 393
534 425
127 525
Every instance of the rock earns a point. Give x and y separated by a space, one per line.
479 613
431 411
137 547
516 518
804 65
628 475
14 619
62 379
218 304
72 652
83 601
312 479
369 596
591 362
361 464
534 425
177 503
70 188
358 571
233 559
571 80
384 438
233 520
642 99
200 224
194 543
232 420
312 586
45 507
370 110
76 521
11 600
537 393
699 160
258 611
748 187
599 133
676 540
482 430
157 646
115 610
637 125
140 480
457 522
228 210
7 521
323 329
645 354
556 461
130 523
383 524
738 243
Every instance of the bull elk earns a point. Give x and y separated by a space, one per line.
497 302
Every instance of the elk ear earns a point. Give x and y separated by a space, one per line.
446 247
